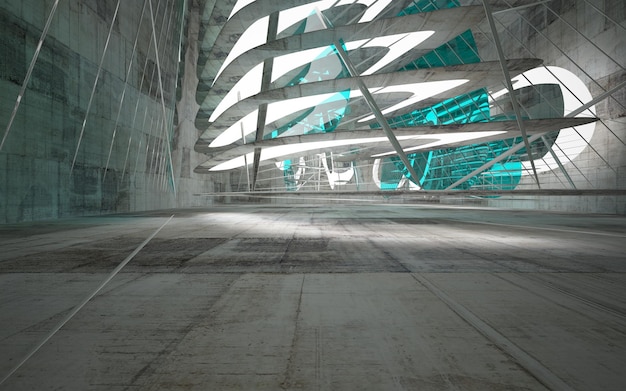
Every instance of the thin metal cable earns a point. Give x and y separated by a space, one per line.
130 139
148 133
76 309
565 54
584 36
146 159
567 87
119 109
157 174
180 40
545 141
20 95
132 126
570 91
139 149
95 83
154 153
170 33
507 79
518 146
146 167
574 164
166 133
554 156
137 154
605 15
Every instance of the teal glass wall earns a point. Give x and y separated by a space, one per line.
439 169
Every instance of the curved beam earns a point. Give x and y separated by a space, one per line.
232 28
480 75
504 129
447 24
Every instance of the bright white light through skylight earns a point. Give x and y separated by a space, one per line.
575 94
420 92
247 86
288 62
443 140
395 46
295 15
255 35
385 41
277 110
240 4
250 83
403 44
234 132
282 150
373 11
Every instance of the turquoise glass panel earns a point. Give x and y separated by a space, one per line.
289 176
439 169
390 173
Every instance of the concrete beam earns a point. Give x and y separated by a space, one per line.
438 21
479 75
536 127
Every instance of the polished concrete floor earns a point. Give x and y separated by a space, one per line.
336 297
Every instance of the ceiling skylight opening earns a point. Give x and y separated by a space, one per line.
398 45
294 15
280 109
277 110
246 125
247 86
234 163
290 149
344 2
352 45
288 62
255 35
373 11
385 41
240 4
289 17
444 139
575 94
420 92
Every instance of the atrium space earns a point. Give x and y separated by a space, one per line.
312 195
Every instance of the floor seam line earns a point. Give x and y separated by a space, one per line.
524 359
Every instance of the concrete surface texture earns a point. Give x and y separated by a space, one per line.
88 136
579 35
342 297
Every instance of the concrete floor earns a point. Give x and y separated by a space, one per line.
361 297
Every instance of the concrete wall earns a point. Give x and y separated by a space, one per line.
36 176
591 46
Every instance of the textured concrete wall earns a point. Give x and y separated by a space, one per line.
598 50
36 160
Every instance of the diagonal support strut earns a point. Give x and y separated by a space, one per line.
370 101
509 86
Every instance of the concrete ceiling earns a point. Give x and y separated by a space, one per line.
220 34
